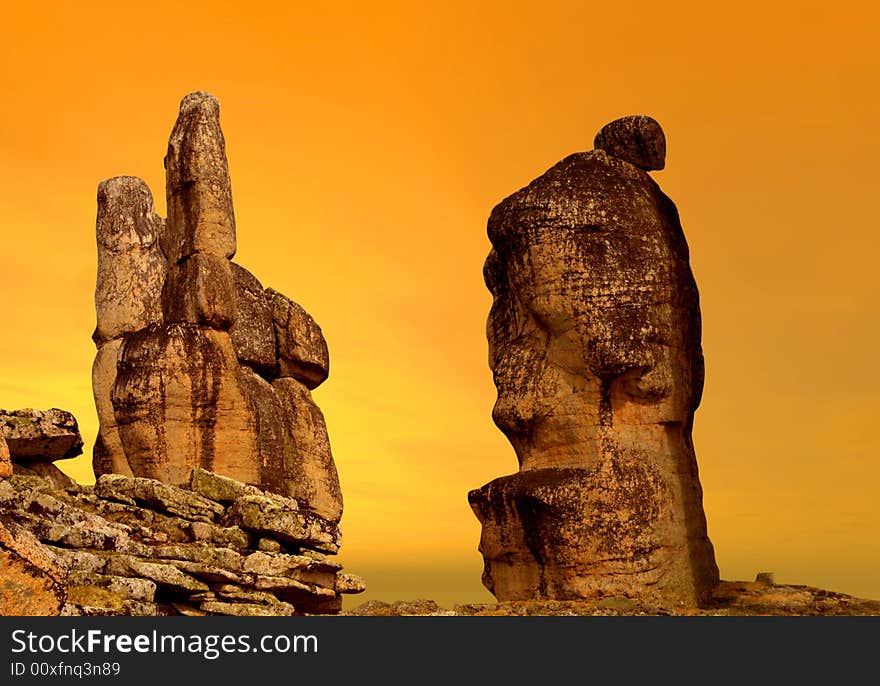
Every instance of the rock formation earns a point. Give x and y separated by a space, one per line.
31 441
5 459
199 366
32 583
594 344
137 546
40 435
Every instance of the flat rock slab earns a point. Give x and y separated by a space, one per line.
277 609
350 583
283 519
47 470
167 575
40 435
164 497
127 588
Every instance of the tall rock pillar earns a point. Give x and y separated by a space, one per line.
594 344
198 365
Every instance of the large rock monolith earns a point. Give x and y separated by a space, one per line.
594 344
198 365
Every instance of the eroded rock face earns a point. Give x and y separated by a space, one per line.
309 472
31 583
131 266
5 460
179 405
198 189
253 333
198 365
302 350
594 344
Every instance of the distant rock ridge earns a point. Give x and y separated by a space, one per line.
199 366
594 345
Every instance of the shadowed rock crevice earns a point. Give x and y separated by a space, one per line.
594 345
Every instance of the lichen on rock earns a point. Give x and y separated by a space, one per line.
138 546
594 345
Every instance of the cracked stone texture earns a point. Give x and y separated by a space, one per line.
32 583
137 546
253 333
40 435
198 188
198 365
729 598
131 266
594 345
5 460
302 350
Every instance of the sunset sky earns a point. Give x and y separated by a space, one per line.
367 144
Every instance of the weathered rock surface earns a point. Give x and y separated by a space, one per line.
40 435
137 546
638 140
198 365
282 518
31 582
729 598
200 290
253 333
594 344
302 350
179 404
198 189
309 471
131 266
46 470
5 460
109 453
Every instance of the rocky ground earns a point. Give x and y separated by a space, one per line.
136 546
731 598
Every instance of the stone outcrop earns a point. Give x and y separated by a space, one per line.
638 140
32 440
199 365
594 344
40 435
32 581
729 598
137 546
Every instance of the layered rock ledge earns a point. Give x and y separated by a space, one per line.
137 546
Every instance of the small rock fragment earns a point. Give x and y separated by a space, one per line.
638 140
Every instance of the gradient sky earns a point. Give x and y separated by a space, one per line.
367 148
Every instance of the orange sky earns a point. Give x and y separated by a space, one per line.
367 147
